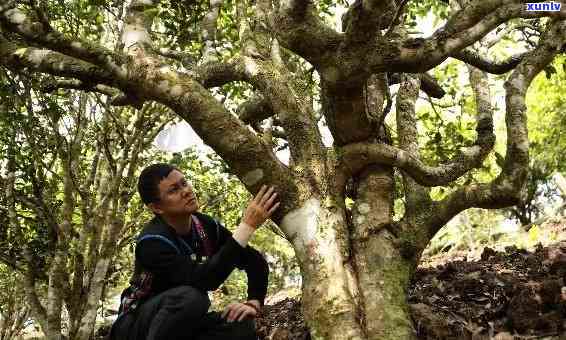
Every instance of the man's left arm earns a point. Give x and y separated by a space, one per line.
257 272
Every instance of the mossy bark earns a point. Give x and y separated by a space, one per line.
350 292
382 271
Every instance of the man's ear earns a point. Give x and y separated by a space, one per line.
155 208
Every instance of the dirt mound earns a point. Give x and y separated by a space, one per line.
506 295
282 321
512 292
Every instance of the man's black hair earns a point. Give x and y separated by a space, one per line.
148 182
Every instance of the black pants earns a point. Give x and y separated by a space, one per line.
179 314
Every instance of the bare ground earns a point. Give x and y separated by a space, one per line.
512 294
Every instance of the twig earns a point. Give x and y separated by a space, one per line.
396 16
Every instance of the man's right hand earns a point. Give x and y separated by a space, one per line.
261 207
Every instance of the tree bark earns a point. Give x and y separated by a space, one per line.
382 271
318 232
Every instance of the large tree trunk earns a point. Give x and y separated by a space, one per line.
359 295
319 232
355 273
383 272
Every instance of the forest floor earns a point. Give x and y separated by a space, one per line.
504 294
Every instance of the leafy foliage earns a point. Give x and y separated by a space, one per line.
546 121
65 153
547 103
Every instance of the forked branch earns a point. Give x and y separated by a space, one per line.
41 34
298 28
467 26
16 57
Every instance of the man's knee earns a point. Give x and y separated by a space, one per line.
177 310
190 297
244 330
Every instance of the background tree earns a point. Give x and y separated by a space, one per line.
14 312
68 184
547 103
356 260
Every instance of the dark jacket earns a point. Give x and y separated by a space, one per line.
170 269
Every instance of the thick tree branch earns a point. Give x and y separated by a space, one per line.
471 13
135 35
358 155
254 37
416 196
53 85
280 90
16 57
209 30
294 111
186 59
378 102
475 59
39 33
254 110
364 19
215 74
507 188
298 28
469 25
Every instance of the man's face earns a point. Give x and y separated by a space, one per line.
177 196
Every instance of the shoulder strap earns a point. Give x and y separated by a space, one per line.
210 222
159 237
217 230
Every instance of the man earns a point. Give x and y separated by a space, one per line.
180 255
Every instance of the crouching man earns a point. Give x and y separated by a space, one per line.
182 254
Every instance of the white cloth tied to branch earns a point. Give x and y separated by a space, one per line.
177 138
